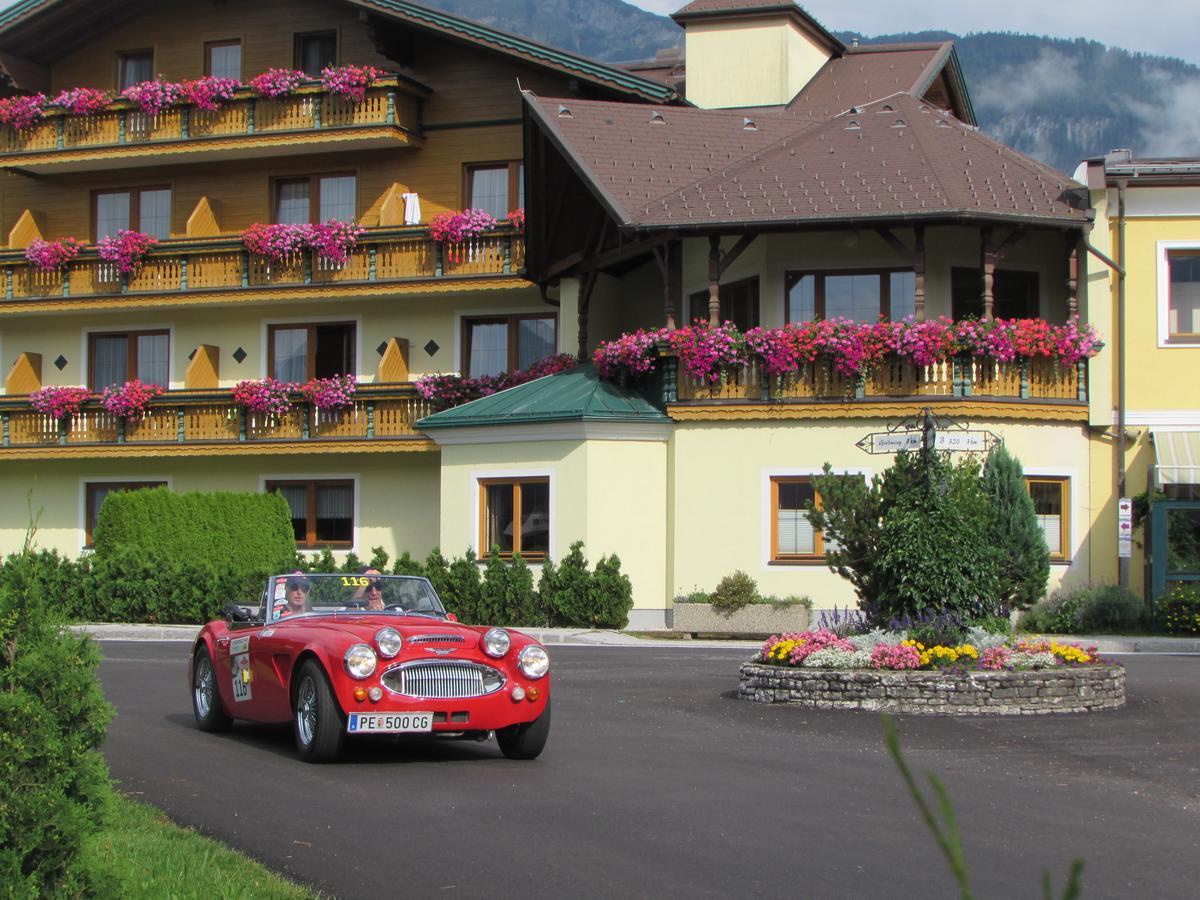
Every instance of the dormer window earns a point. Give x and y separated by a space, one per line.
134 67
316 51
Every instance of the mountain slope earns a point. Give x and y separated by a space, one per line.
1059 101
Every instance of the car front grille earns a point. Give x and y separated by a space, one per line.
443 680
436 639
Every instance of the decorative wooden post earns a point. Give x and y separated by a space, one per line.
714 280
586 283
673 284
989 275
1073 280
919 275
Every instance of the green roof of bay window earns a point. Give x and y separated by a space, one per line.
576 395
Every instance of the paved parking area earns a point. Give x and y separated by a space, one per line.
657 781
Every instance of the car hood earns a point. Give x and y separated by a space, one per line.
418 629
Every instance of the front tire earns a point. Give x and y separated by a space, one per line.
525 741
316 720
206 696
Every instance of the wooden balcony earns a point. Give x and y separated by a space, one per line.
245 127
192 423
222 270
1038 388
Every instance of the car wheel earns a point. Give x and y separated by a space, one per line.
316 720
525 741
206 696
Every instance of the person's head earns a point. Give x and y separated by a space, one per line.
297 592
374 589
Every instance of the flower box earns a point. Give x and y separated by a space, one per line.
752 619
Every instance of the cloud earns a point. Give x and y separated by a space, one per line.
1169 124
1052 76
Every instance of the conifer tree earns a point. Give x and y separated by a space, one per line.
1024 557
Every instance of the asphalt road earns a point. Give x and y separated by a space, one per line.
657 781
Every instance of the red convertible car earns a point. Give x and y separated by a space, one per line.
340 655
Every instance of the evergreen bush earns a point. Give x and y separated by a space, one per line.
610 595
53 779
733 592
406 565
465 589
565 588
1023 564
1109 609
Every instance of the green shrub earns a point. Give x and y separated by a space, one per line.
610 595
406 565
733 592
696 596
565 588
522 604
379 559
1179 611
1107 609
1023 564
1001 625
463 598
437 570
53 780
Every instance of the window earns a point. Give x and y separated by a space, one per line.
322 511
316 198
1050 503
793 539
861 296
319 350
491 188
134 67
739 304
96 491
499 344
1014 294
139 209
223 59
516 517
117 358
316 51
1183 299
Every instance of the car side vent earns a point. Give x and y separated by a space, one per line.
436 639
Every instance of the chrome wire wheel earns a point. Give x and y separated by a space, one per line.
204 685
306 712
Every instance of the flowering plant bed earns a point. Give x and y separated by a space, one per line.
154 97
52 256
329 394
22 112
83 101
855 349
267 396
983 674
59 402
446 391
130 400
277 82
349 82
127 250
454 228
331 240
210 93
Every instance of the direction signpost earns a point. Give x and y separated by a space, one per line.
927 431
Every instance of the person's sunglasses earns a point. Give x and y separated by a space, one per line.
375 585
301 584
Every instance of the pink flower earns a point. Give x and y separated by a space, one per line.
277 82
895 656
330 393
267 396
128 249
349 82
210 93
131 400
707 353
22 112
456 227
154 97
333 240
995 658
83 101
516 218
446 391
630 355
59 402
52 256
276 242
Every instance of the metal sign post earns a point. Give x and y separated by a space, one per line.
1124 528
928 432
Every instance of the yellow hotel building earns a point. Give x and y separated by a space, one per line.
822 181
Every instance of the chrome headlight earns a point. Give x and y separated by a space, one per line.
496 642
389 642
360 661
534 661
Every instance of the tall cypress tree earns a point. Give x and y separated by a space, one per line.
1024 557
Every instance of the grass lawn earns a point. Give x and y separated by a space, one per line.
140 853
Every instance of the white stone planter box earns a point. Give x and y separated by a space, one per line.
757 619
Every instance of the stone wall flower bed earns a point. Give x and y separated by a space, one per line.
981 675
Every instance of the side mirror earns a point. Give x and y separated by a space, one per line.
235 613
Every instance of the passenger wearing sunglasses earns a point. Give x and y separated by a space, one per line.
371 594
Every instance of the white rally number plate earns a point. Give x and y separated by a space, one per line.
389 723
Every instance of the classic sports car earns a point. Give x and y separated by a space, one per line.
340 655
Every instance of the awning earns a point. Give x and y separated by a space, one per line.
1177 454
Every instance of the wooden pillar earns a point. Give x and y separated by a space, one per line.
673 284
586 282
714 280
989 274
919 274
1073 278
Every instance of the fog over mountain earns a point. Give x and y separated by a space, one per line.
1058 100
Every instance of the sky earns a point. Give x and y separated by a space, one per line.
1165 27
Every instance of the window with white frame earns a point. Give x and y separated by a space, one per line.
1183 295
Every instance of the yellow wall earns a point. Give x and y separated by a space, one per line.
719 69
413 316
396 500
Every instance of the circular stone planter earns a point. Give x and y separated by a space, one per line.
1027 692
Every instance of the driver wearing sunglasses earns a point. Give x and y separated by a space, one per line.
371 594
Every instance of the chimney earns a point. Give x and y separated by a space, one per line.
752 53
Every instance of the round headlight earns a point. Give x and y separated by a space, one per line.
496 642
360 661
389 642
534 661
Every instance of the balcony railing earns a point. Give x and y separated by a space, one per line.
379 413
1035 379
193 267
311 109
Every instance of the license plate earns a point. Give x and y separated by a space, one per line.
389 723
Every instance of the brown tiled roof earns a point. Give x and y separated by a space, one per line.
869 73
897 158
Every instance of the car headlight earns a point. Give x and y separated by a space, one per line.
389 642
534 661
496 642
360 661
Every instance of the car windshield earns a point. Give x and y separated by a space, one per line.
314 595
